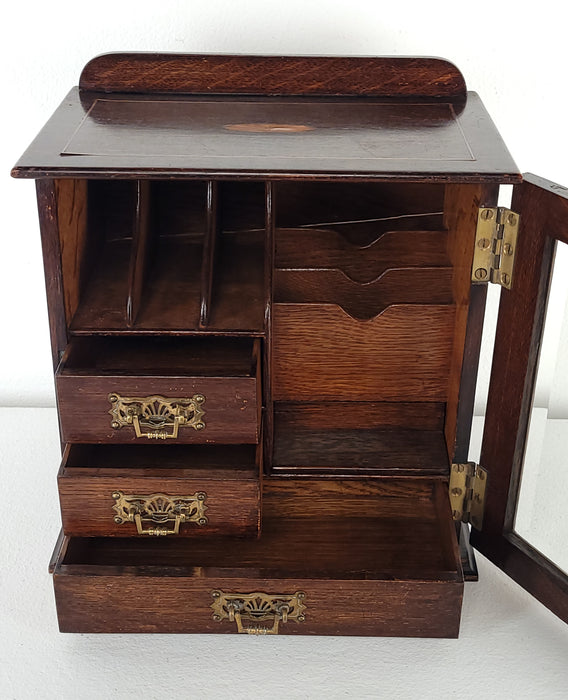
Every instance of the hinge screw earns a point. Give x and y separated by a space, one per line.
483 243
487 214
480 273
512 219
505 278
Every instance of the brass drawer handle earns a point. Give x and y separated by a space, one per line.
160 509
156 414
258 607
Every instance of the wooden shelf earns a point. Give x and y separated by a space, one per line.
348 438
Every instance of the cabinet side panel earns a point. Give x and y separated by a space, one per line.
461 208
49 223
72 223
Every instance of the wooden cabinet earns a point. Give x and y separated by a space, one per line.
266 281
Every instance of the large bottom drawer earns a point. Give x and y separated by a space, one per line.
342 557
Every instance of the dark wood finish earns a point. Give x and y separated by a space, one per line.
174 369
90 474
360 211
427 285
374 439
321 353
58 551
152 263
130 136
272 75
51 248
467 554
528 567
346 544
421 415
461 208
516 350
231 406
239 301
321 249
543 208
209 251
268 365
291 237
72 220
141 251
131 356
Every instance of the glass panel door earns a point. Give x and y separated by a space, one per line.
541 508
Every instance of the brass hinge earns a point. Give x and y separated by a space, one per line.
495 246
467 493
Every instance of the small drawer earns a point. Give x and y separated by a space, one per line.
183 390
175 490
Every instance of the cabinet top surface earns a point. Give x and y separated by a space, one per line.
95 133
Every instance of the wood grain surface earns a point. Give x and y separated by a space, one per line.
425 285
372 559
328 249
543 207
461 208
277 75
89 475
321 353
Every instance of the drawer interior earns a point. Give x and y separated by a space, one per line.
168 461
192 356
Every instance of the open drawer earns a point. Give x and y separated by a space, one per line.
135 389
369 557
174 490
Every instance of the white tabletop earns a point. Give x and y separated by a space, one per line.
510 646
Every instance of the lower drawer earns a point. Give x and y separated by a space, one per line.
346 557
149 490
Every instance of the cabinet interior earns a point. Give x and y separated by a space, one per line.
359 293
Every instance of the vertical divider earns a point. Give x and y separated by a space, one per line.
140 252
269 256
209 251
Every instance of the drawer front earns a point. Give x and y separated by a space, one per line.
108 603
153 505
107 409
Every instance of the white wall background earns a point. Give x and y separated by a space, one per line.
516 61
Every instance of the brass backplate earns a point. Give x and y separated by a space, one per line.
157 417
160 510
247 610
